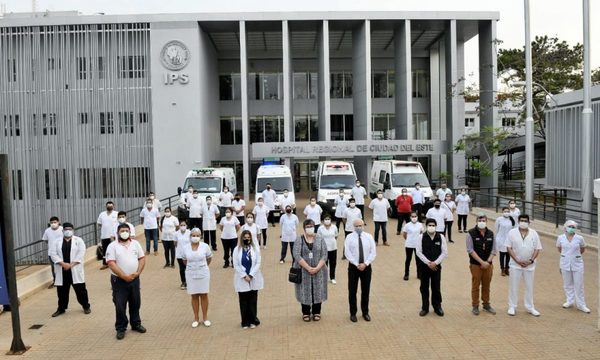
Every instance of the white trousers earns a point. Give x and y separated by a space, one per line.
573 285
515 277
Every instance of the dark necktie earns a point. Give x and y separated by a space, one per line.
361 252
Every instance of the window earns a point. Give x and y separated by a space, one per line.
101 65
107 124
383 127
382 174
17 184
55 183
231 130
11 70
420 126
49 124
341 127
85 184
54 64
83 118
509 122
469 122
341 85
132 67
266 129
125 122
82 69
271 85
12 125
143 117
306 128
230 87
420 84
379 85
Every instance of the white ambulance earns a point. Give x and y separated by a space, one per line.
280 178
208 182
331 177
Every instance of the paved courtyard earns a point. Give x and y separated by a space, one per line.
396 331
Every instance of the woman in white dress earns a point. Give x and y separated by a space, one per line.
197 257
503 225
253 228
247 279
261 213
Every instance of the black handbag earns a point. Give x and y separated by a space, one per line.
99 252
295 275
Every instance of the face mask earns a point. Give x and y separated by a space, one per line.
448 199
431 229
463 192
417 187
313 202
151 197
512 206
148 206
54 226
195 239
506 214
352 205
121 220
228 215
285 194
260 203
404 193
342 195
208 202
225 191
309 230
124 235
68 233
413 219
195 196
523 225
570 230
268 188
379 196
357 184
182 228
289 211
109 208
250 220
167 214
190 190
358 230
237 199
247 242
481 225
327 222
436 206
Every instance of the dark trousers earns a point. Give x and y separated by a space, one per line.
151 235
362 210
181 270
210 238
169 247
284 247
504 259
248 307
241 219
383 226
338 221
315 309
264 236
462 222
409 254
402 218
105 243
228 246
448 230
331 262
419 209
52 268
271 217
126 293
195 223
64 290
365 287
430 278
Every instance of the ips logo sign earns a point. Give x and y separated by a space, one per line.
175 56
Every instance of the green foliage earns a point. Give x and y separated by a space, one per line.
488 141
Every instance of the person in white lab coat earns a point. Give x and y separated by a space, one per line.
261 212
313 211
225 200
107 220
52 234
411 232
248 278
439 214
504 224
68 255
463 200
571 247
195 205
358 193
269 197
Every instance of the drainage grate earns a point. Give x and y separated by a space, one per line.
35 326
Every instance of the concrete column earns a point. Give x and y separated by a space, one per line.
437 101
288 89
487 94
324 84
454 103
403 80
245 118
361 93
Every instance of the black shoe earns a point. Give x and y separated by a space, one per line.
87 310
225 266
256 321
140 328
452 241
367 317
58 313
353 318
439 311
120 335
166 266
172 265
405 277
423 312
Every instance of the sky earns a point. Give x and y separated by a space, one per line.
559 18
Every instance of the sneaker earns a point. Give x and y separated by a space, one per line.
452 241
405 278
195 324
147 252
165 266
281 261
58 313
584 308
386 244
475 310
534 312
207 323
182 286
489 309
156 253
333 281
511 311
252 326
245 327
567 305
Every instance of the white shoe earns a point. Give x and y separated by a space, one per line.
584 309
567 305
207 323
252 326
244 327
333 281
195 324
281 261
534 312
511 311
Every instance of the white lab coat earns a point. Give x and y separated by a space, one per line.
77 255
570 253
257 282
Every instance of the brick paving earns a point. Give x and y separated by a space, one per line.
396 331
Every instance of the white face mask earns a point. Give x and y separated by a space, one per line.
195 239
148 206
250 220
124 235
309 230
68 233
481 225
463 192
506 214
190 190
208 202
285 194
512 206
151 197
260 203
167 214
121 220
417 187
431 229
195 196
413 219
182 228
523 225
225 191
352 205
54 226
228 215
327 222
313 202
379 196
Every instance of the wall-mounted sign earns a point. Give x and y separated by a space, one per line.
349 148
175 55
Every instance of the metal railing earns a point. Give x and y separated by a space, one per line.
36 253
556 211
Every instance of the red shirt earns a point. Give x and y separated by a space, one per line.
404 203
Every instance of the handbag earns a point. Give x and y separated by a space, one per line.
99 252
295 274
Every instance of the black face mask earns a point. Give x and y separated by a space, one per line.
268 188
437 206
247 242
289 211
237 199
109 208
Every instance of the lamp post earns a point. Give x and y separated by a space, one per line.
586 124
529 145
